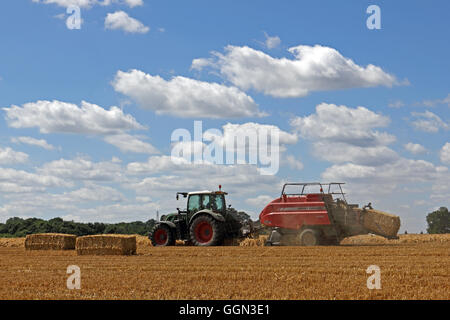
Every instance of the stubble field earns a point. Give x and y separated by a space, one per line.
414 267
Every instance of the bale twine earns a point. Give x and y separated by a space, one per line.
106 244
50 241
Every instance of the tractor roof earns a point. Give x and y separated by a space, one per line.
206 192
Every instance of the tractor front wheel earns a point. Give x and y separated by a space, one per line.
309 237
206 231
162 236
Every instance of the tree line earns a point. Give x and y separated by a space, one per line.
18 227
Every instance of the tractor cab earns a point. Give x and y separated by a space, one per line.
208 200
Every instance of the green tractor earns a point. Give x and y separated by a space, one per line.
205 222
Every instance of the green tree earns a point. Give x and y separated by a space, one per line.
439 221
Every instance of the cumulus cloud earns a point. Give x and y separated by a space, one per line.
129 143
341 134
185 97
404 170
9 156
81 169
343 124
120 20
314 68
342 153
62 117
19 181
445 153
429 122
33 142
415 148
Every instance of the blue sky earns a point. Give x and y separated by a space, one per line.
87 162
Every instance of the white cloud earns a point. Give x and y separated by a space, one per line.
401 171
33 142
130 143
260 201
61 117
340 134
184 97
415 148
272 42
341 153
18 181
236 179
445 153
316 68
134 3
9 156
429 122
80 169
343 124
120 20
294 163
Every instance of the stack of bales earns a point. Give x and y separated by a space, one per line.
381 223
106 244
50 241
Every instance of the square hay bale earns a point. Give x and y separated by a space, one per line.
50 241
106 244
381 223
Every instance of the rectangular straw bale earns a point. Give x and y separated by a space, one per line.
50 241
381 223
106 244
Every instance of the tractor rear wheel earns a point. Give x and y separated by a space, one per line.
206 231
161 236
309 237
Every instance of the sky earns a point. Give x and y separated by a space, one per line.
91 95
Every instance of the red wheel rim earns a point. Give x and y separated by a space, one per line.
161 237
203 232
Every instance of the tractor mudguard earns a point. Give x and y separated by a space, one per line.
168 223
216 216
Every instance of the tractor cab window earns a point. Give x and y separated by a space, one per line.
213 202
219 202
194 203
206 202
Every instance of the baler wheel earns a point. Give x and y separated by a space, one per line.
309 237
162 236
206 231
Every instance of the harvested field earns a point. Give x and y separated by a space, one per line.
50 241
413 267
106 244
